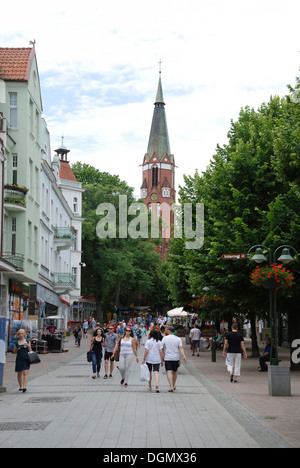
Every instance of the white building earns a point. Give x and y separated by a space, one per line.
40 202
60 239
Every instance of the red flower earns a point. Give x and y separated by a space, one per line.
282 276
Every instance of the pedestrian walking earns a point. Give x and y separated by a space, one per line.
78 335
154 357
128 348
234 346
138 335
143 334
22 348
195 339
172 345
85 327
96 345
111 339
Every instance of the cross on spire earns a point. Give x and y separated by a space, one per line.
160 62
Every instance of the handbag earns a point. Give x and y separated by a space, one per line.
32 358
89 356
117 355
117 352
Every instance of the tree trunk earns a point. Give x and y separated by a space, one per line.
117 296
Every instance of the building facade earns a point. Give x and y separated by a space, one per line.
40 206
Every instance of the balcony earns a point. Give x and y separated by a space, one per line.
64 282
64 238
15 197
15 259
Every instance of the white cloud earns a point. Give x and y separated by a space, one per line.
99 71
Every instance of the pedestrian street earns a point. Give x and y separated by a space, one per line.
65 408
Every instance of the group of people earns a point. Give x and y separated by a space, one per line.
161 348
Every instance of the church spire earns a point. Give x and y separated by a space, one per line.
158 172
159 136
159 94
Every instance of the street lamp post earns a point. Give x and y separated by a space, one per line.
285 258
278 376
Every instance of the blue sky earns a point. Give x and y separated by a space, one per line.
98 65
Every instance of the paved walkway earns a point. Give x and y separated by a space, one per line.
65 407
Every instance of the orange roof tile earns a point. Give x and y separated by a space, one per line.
65 171
15 63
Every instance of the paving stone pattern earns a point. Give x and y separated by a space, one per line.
65 407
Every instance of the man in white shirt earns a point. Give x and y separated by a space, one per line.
172 344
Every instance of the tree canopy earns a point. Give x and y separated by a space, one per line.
120 271
251 195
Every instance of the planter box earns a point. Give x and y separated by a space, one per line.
279 381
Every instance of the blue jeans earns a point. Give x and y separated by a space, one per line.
262 362
96 361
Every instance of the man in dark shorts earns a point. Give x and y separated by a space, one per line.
110 342
172 344
195 339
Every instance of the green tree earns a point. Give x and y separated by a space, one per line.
119 270
240 190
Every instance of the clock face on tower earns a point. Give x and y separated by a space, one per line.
153 196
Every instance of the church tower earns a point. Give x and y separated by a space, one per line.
158 181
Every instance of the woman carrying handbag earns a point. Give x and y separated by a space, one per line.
97 343
22 348
128 348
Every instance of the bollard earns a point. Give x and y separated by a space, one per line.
213 351
2 352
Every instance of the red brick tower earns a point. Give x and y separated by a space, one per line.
158 186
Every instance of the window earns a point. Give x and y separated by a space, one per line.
75 241
75 204
166 193
37 183
13 110
31 176
15 169
74 272
31 115
29 239
35 245
46 254
37 125
13 235
154 176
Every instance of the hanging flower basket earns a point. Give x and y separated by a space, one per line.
274 277
205 301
